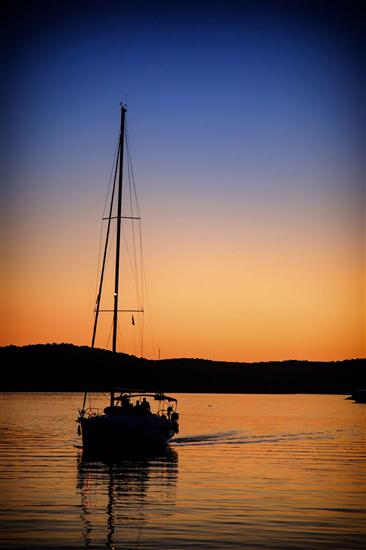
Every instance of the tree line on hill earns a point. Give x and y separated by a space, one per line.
65 367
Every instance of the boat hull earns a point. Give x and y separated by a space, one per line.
126 433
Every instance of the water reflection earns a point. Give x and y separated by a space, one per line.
121 498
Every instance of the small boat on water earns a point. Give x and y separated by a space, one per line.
132 420
129 424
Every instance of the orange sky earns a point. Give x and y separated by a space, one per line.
247 142
244 288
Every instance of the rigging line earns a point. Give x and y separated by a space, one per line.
120 339
105 254
134 343
142 263
109 335
111 178
110 249
131 177
129 162
142 334
92 400
132 173
144 287
132 221
147 298
130 168
134 274
138 211
138 285
93 396
99 253
111 244
101 222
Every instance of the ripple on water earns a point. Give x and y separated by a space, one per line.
247 472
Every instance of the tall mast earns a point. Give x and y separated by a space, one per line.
118 238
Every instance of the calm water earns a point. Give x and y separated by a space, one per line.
247 471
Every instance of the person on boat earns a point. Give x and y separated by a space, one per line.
137 408
145 405
169 411
125 403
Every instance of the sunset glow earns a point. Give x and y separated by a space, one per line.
246 135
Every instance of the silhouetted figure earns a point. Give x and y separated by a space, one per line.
145 405
126 404
169 411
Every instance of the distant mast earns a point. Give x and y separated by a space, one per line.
118 239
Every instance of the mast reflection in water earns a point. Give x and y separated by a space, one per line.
120 498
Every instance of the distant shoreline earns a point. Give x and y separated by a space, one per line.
65 367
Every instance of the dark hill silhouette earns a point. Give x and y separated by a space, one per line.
65 367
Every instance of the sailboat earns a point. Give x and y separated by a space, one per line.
132 419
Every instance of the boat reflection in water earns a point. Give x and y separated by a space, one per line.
122 498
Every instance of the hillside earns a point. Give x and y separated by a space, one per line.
65 367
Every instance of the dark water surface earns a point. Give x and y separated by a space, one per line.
247 471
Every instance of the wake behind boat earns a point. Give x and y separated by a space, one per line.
133 420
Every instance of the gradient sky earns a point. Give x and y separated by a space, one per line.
246 125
